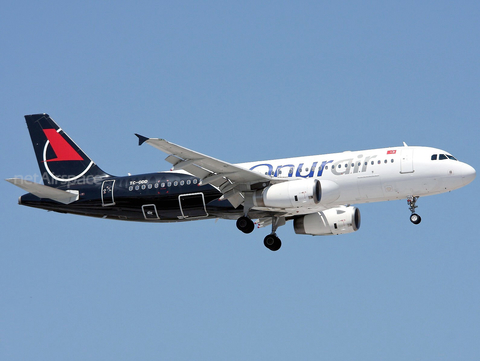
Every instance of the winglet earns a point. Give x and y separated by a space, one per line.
141 139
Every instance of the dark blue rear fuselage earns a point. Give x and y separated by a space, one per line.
161 197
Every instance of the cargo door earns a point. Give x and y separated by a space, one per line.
192 205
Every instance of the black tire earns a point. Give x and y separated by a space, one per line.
415 218
245 224
272 242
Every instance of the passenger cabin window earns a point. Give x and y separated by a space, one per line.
434 157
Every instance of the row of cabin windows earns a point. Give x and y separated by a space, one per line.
340 166
163 184
443 157
360 163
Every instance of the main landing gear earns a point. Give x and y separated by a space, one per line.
272 242
245 224
414 218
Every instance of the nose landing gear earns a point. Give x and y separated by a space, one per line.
414 218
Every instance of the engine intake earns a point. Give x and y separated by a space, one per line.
339 220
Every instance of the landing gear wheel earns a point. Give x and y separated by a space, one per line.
412 204
272 242
415 218
245 224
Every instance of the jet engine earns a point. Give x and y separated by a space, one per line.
339 220
297 193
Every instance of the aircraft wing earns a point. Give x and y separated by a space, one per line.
230 179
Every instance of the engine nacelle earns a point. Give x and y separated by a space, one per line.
290 194
297 193
338 220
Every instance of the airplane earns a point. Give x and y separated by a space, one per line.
315 192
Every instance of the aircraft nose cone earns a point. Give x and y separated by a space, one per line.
468 174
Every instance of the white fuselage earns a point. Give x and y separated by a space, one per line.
373 175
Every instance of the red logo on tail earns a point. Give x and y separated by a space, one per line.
62 149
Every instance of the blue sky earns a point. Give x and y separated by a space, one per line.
240 81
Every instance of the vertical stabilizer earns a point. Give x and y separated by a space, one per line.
60 159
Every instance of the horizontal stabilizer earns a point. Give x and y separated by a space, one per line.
41 191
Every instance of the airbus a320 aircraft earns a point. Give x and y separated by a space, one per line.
315 192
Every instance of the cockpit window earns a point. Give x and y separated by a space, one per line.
443 157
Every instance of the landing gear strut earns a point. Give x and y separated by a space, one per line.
272 242
414 218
